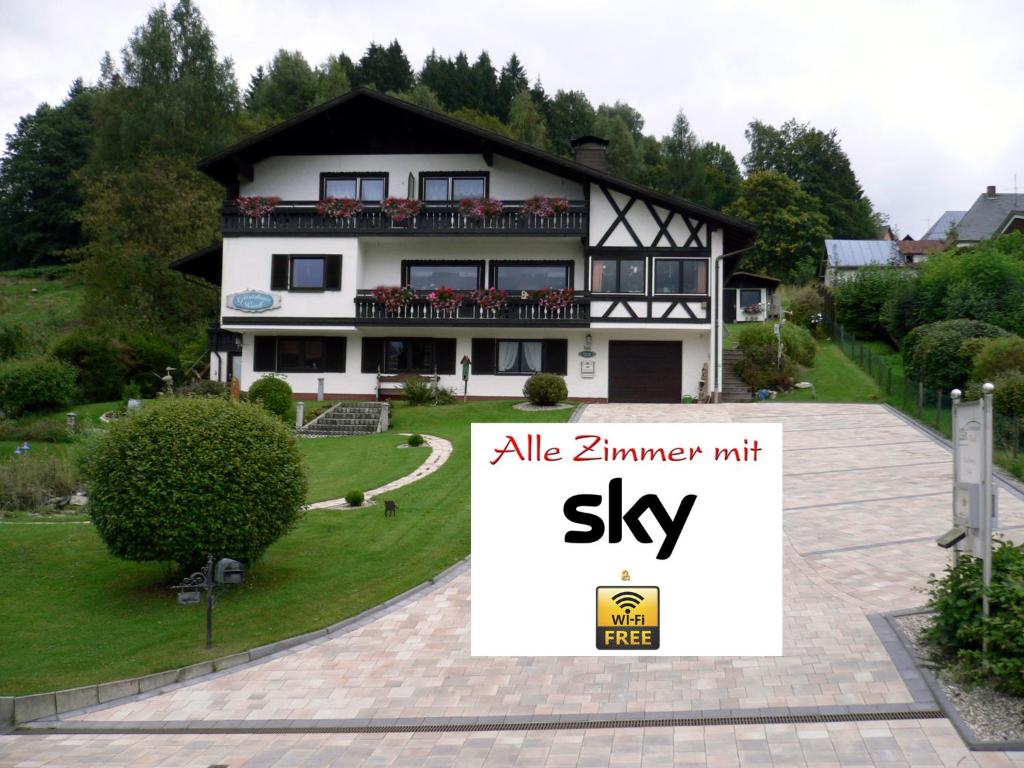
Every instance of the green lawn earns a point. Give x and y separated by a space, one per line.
49 310
73 615
338 465
836 379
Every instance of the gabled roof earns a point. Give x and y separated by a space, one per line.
920 247
988 216
364 120
845 254
940 228
751 278
206 263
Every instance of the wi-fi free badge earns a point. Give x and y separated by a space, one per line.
628 618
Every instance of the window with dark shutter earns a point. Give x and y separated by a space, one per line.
373 355
332 281
265 353
334 354
556 354
279 272
444 351
482 354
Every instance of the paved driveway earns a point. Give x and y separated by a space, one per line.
865 496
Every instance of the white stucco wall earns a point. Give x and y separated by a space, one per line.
297 177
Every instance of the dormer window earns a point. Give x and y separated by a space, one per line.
368 187
443 187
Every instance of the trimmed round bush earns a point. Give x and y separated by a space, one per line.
937 354
275 395
545 389
415 440
355 498
997 356
187 476
35 385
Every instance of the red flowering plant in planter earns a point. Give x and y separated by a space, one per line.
490 298
400 208
553 298
545 206
393 297
256 207
339 207
480 208
445 299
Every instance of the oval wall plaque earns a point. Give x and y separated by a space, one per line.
253 301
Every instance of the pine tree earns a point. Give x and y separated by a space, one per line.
289 87
511 81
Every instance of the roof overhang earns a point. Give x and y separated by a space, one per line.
206 263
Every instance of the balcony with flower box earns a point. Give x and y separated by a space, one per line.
273 217
402 306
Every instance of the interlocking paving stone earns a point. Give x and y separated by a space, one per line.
855 475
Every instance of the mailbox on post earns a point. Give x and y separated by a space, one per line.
229 571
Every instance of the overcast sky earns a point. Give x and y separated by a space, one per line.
927 96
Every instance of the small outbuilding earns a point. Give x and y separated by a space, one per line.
748 297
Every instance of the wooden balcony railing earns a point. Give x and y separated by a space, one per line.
516 312
301 218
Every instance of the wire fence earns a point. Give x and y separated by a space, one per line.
932 407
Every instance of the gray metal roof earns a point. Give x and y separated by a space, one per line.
940 228
860 253
988 216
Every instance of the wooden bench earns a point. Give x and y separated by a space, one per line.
389 385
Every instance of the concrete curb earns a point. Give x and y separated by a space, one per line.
942 701
15 710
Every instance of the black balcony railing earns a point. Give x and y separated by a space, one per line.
301 218
519 312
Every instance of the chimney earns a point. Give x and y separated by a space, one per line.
990 191
591 151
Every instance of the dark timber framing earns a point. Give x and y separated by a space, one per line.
622 217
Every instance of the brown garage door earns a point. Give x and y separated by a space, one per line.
645 371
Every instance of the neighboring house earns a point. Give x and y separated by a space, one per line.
844 257
946 225
917 251
647 270
992 214
748 297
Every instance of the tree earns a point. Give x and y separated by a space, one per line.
172 96
511 81
624 157
816 160
332 79
386 69
480 120
289 87
569 115
421 96
680 167
39 190
132 239
526 123
484 94
722 177
791 227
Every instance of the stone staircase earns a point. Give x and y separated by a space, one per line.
349 418
734 389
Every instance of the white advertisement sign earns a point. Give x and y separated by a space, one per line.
652 539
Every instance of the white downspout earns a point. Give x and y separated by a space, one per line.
717 239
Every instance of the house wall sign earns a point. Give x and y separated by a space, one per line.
587 353
253 301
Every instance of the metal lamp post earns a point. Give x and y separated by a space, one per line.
226 571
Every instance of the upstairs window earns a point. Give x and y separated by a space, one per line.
368 187
443 187
617 275
681 276
305 272
426 276
532 276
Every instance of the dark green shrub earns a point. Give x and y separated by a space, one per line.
935 354
148 360
203 388
12 340
860 298
759 365
35 385
1008 398
186 476
957 630
444 396
41 430
417 391
545 389
101 370
803 302
798 344
900 310
996 356
415 440
275 395
26 482
355 498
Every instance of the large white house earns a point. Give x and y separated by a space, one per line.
646 270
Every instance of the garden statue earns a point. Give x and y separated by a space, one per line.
390 508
